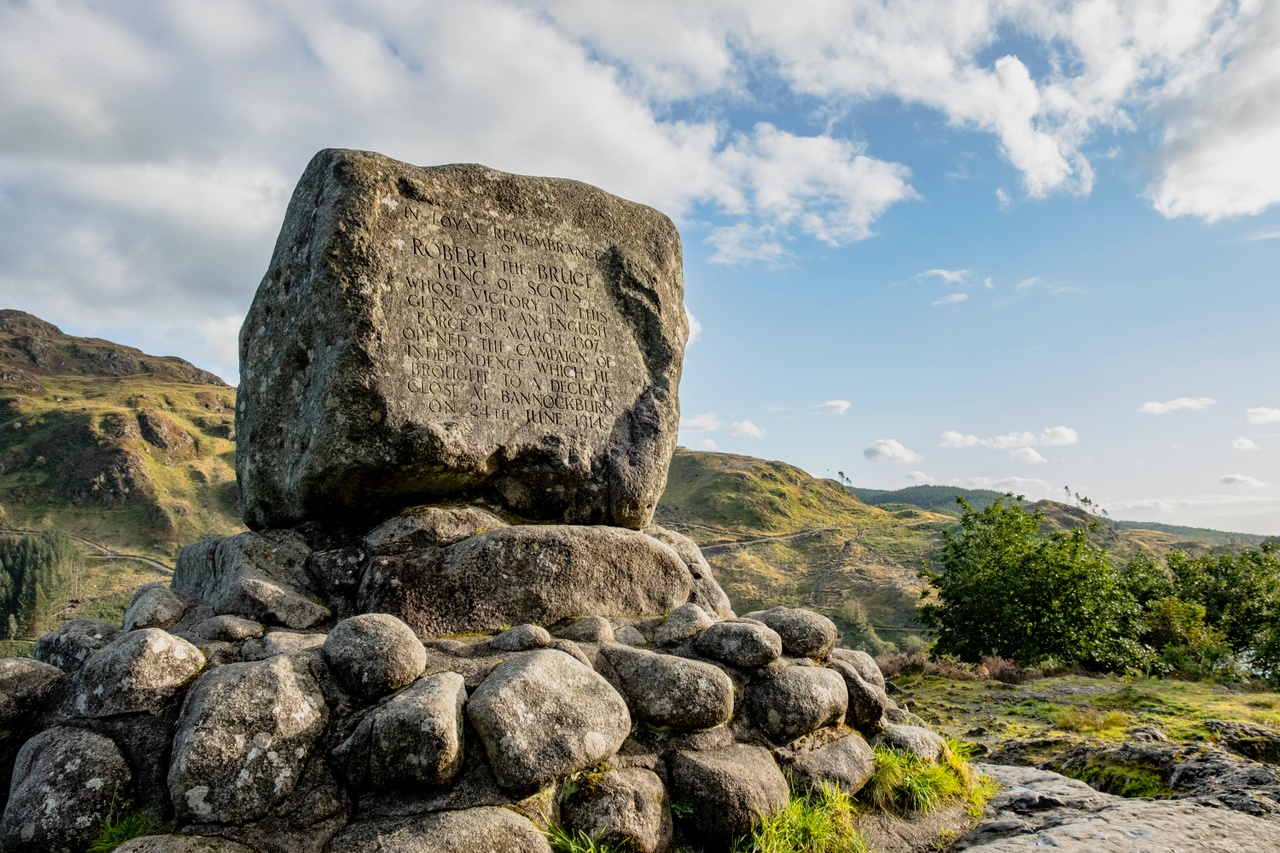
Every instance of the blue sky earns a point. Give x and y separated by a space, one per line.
1013 244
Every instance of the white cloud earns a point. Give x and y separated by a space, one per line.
947 276
778 408
989 283
836 407
705 422
1242 480
695 327
890 451
1195 404
1027 454
1243 443
918 477
950 299
1017 485
1263 235
708 444
1217 154
819 185
744 243
747 428
1263 415
1027 283
1003 201
1059 436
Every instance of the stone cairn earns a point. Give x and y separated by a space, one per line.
452 625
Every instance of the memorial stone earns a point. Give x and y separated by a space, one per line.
455 332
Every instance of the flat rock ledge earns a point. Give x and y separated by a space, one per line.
1040 809
278 712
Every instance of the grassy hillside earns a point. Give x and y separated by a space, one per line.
128 451
775 535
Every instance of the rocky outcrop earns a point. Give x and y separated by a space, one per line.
1041 809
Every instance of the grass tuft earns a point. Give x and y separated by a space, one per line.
564 841
902 782
820 823
127 828
1082 719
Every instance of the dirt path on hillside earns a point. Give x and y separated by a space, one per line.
103 552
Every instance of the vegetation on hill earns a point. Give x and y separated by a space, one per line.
130 455
941 499
774 535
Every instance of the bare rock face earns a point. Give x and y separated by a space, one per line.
426 333
672 691
261 576
464 831
374 653
70 645
66 784
797 701
847 762
25 686
242 739
181 844
804 634
526 574
546 715
728 790
415 738
153 606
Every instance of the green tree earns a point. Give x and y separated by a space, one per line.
35 576
1240 594
1004 589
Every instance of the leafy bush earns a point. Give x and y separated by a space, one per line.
1005 590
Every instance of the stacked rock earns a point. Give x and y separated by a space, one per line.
394 658
256 734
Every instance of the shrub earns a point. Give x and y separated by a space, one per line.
1004 670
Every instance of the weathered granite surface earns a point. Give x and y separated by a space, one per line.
1040 809
423 333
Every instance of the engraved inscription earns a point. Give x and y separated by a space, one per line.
502 324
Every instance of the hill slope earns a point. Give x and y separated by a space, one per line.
775 535
106 443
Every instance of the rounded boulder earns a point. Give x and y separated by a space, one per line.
804 634
374 654
796 701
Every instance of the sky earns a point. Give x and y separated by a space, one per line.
1009 244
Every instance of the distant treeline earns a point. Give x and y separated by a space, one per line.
36 573
942 499
933 498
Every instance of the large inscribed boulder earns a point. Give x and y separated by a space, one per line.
455 331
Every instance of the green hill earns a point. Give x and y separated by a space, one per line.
775 535
130 454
